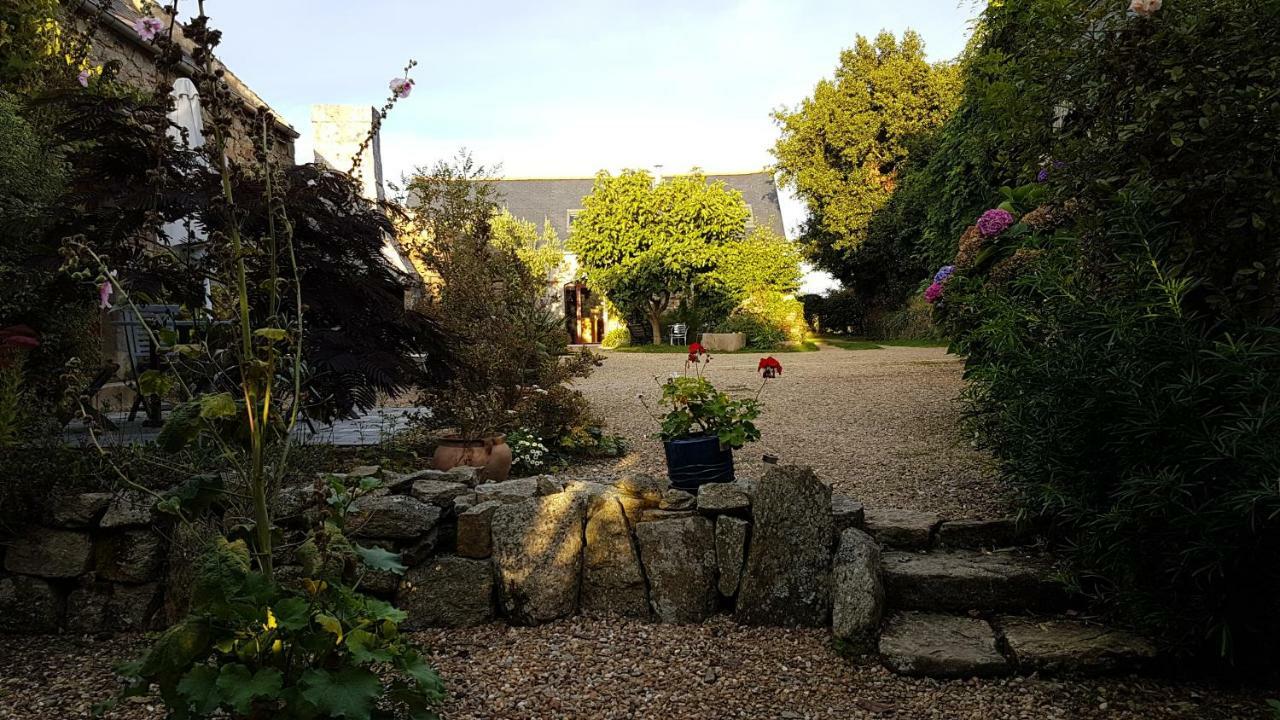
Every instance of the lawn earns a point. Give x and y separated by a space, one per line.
860 344
806 346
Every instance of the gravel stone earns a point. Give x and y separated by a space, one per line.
618 669
879 425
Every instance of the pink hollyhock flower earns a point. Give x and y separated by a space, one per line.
401 87
1145 8
994 221
148 27
83 77
933 293
104 294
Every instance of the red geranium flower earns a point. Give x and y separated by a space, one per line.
769 367
696 349
19 336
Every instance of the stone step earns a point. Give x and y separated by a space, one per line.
968 580
942 646
1063 645
952 646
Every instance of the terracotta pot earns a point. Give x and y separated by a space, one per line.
490 454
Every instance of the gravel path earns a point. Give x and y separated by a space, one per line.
593 669
878 424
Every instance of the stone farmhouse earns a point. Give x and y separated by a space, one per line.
557 202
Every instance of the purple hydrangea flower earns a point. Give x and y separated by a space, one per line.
933 293
943 273
1043 175
994 221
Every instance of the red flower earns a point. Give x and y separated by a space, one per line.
696 349
769 367
19 336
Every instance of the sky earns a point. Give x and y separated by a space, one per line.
567 87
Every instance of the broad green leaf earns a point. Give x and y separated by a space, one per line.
155 382
220 405
364 648
200 687
293 613
272 334
330 624
412 664
167 338
240 687
181 428
177 649
380 559
348 693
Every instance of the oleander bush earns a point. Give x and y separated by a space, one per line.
1117 300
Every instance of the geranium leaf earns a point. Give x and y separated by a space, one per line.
348 693
240 687
200 687
220 405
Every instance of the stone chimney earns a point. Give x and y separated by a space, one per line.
336 134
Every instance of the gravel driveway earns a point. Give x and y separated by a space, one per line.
599 670
880 425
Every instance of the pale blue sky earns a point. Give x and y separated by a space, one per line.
566 87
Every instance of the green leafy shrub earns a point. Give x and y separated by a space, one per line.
1123 335
315 648
616 338
769 319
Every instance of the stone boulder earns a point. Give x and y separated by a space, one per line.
393 516
721 498
649 489
674 499
28 605
475 530
846 513
440 493
612 581
787 580
905 529
1060 645
508 491
49 553
857 595
941 646
537 548
106 607
131 556
447 591
131 508
679 556
79 510
731 552
296 504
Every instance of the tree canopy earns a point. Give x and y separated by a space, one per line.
843 148
642 243
541 253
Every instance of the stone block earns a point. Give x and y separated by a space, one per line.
679 556
857 595
475 530
537 549
45 552
448 591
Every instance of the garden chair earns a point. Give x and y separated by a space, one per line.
680 332
142 354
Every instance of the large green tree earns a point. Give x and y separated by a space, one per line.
643 244
843 148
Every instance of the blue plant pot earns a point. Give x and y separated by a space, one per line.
693 462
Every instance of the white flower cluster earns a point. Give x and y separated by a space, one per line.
527 452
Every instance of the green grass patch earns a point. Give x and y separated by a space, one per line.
806 346
864 344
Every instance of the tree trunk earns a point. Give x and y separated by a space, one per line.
655 324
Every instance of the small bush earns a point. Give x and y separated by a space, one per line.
769 320
616 338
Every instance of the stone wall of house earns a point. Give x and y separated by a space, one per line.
137 67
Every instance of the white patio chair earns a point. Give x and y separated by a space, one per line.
679 331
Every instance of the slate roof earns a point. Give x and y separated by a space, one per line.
551 199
